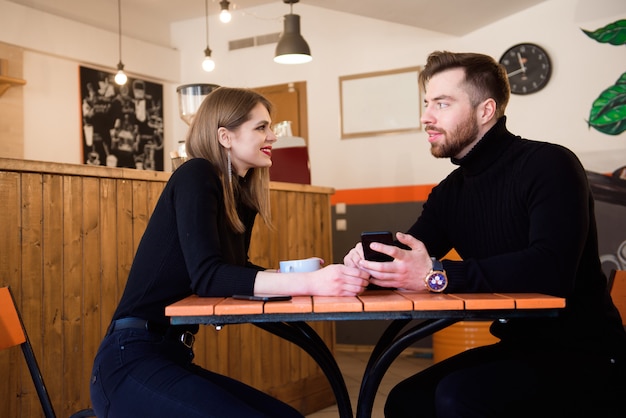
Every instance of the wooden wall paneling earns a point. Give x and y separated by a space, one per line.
10 272
291 212
248 347
154 192
72 287
52 261
90 320
140 210
306 216
125 243
220 342
110 291
253 342
326 228
69 235
234 351
280 235
31 299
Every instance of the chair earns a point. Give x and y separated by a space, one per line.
13 333
617 286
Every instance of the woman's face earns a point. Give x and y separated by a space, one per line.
251 143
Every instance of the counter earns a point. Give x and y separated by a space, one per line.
69 233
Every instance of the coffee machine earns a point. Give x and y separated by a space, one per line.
190 96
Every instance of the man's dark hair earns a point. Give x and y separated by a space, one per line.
484 77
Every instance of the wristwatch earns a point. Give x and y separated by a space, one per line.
436 280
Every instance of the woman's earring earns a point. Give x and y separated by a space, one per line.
230 169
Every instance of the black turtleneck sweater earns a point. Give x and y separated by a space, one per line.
521 215
188 247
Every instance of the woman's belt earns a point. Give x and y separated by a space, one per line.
169 332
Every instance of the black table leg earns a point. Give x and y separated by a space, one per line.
305 337
385 339
386 351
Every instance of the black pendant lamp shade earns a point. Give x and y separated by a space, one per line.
291 47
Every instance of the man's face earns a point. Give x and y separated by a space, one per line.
448 116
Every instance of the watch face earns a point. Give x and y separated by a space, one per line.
436 282
528 68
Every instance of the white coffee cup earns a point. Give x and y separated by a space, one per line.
300 266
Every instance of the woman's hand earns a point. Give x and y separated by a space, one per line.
338 280
332 280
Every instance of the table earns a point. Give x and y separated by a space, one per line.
287 319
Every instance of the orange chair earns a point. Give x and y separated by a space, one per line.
617 286
13 333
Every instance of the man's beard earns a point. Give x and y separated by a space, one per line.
457 140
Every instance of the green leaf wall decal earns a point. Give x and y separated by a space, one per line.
613 33
608 112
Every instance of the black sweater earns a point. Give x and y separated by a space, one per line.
188 247
521 215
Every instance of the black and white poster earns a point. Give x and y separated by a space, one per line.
122 125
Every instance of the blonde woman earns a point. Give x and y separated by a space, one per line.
197 242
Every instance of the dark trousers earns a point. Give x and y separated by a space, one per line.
504 381
137 373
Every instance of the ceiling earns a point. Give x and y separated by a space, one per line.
434 15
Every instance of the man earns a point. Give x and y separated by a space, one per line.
521 216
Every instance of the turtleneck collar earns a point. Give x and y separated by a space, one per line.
487 150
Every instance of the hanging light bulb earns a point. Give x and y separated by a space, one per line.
225 15
291 47
120 77
208 64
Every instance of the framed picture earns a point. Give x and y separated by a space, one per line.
122 126
380 103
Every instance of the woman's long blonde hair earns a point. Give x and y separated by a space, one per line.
229 108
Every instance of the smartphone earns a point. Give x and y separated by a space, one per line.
383 237
263 298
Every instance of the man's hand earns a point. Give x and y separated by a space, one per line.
408 269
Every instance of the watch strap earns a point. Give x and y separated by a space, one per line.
437 265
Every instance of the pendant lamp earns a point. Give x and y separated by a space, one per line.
208 64
225 15
291 47
120 77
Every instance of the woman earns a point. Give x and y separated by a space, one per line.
197 242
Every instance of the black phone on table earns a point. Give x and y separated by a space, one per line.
384 237
263 298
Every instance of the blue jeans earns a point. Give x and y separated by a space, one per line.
137 373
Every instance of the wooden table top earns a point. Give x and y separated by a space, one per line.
369 301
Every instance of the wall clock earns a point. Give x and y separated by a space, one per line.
528 67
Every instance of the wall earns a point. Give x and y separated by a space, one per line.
556 114
341 44
55 46
70 233
11 109
53 49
